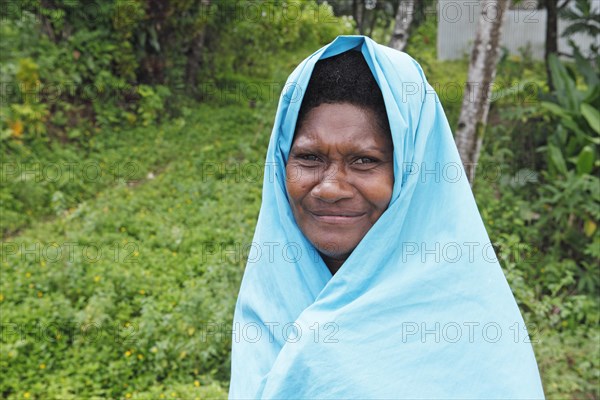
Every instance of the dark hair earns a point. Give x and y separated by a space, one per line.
344 78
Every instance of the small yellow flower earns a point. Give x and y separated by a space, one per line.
43 263
17 128
40 294
197 383
128 395
42 366
140 356
173 394
1 297
191 331
127 353
97 278
154 349
174 254
26 395
182 354
136 253
162 396
142 291
28 275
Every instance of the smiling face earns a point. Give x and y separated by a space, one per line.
340 176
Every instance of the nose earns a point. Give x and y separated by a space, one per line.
333 185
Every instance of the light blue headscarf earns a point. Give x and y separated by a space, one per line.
420 309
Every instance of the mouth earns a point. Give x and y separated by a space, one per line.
338 218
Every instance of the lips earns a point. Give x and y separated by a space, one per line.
337 216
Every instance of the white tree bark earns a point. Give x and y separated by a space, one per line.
482 71
404 17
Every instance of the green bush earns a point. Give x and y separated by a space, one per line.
538 186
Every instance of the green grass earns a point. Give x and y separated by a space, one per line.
153 264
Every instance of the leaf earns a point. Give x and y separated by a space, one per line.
585 161
557 159
566 91
592 116
585 67
573 127
589 227
555 109
154 39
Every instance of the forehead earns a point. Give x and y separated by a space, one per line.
341 123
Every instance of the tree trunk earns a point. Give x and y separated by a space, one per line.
482 71
195 55
194 61
404 17
358 13
374 16
551 37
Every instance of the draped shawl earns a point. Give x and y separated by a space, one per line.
419 310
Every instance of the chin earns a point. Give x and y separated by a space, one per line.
334 247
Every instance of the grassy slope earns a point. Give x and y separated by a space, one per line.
160 268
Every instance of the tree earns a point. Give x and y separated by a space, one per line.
368 13
358 13
404 17
195 52
482 71
551 46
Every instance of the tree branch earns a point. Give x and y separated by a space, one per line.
563 5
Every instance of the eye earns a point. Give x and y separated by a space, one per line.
365 160
308 157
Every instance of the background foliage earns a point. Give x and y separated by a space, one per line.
129 130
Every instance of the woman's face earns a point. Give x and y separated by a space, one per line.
340 176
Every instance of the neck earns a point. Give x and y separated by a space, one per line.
334 264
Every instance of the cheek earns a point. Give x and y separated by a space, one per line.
298 186
378 191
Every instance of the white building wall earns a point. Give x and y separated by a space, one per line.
457 26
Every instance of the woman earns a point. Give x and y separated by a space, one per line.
376 277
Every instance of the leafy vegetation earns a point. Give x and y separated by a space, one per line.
541 196
125 156
132 291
